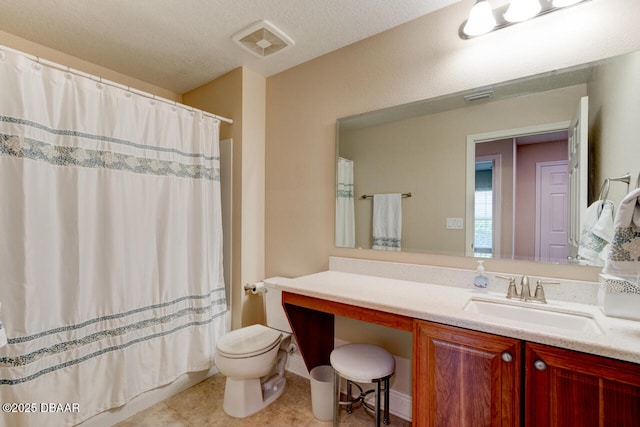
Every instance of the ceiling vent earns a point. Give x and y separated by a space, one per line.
263 39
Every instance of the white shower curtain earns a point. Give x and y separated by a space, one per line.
345 216
111 276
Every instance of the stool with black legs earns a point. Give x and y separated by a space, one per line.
362 363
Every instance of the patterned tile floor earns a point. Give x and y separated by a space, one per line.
201 405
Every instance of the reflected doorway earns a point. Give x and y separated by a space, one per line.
552 204
513 215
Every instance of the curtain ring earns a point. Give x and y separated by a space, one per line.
37 65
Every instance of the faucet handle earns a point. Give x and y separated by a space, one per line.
539 294
512 291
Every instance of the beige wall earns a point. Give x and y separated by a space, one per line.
421 59
241 94
615 113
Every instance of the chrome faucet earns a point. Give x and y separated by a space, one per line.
525 291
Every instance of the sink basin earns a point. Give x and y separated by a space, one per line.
516 313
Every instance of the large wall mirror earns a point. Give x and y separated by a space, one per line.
504 171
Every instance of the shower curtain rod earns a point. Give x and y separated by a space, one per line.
99 79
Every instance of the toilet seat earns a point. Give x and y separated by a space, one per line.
248 342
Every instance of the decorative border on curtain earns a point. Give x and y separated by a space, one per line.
212 309
18 146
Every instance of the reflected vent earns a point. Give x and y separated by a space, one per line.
477 96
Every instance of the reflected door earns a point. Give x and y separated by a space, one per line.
551 216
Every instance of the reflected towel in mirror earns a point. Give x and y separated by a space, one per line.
387 222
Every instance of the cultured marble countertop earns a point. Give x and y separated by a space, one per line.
617 338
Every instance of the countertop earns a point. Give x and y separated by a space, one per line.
617 338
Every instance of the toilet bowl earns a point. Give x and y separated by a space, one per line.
253 359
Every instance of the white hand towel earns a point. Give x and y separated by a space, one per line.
3 334
387 221
597 231
624 253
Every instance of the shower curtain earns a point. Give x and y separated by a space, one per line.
111 276
345 216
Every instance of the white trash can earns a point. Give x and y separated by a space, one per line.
322 392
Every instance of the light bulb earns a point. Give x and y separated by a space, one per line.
480 20
565 3
521 10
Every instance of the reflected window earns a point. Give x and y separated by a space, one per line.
483 210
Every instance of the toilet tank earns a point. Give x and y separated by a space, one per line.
276 317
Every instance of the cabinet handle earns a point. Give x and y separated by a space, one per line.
507 357
540 365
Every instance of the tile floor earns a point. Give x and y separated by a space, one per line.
201 405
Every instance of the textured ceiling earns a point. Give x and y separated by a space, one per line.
182 44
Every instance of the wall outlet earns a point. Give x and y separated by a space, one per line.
455 224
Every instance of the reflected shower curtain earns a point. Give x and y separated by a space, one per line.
111 276
345 216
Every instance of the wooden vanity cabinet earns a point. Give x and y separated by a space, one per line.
464 378
566 388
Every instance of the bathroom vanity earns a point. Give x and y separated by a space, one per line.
484 373
472 365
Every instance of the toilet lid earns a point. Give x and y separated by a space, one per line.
248 341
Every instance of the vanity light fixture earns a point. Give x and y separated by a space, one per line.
483 19
522 10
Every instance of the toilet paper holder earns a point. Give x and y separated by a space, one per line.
255 288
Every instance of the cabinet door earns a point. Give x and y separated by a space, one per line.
566 388
464 378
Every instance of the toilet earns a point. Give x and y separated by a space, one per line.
253 359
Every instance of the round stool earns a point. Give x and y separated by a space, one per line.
362 363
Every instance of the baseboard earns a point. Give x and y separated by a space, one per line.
400 404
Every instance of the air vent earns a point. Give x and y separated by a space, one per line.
476 96
263 39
